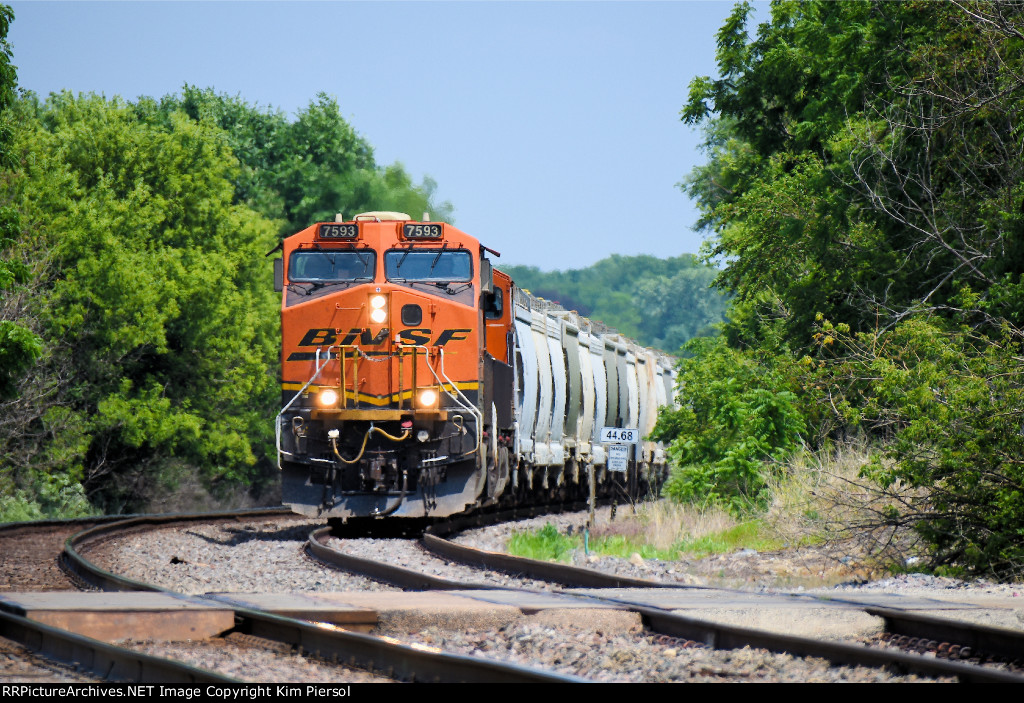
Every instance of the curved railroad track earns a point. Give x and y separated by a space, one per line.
402 662
31 561
375 654
911 642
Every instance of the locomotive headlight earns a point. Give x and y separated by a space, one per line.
327 397
378 313
427 398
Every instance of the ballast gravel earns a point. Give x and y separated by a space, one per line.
240 557
253 664
638 657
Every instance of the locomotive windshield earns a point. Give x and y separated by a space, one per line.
428 265
331 266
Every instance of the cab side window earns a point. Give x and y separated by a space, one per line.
494 304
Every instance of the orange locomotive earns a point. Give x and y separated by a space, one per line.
413 378
386 364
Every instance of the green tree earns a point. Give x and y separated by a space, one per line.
865 167
302 171
840 181
659 302
953 401
157 307
142 229
739 415
19 346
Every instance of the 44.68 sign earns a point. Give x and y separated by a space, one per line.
621 435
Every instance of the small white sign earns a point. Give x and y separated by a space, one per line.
618 457
621 435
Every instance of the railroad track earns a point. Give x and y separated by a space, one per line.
31 561
28 552
367 652
956 649
105 661
374 654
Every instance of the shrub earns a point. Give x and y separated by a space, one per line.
952 401
739 415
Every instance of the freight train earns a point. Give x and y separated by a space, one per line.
419 381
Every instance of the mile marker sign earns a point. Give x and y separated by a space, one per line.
620 435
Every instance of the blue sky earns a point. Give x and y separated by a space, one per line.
552 127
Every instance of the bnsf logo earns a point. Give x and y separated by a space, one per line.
328 337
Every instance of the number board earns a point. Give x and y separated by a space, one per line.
339 231
421 231
618 457
620 435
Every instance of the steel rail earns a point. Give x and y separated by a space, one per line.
733 637
32 525
493 516
380 571
564 574
388 655
318 639
106 661
321 638
496 561
980 638
990 640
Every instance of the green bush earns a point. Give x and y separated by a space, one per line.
952 401
739 415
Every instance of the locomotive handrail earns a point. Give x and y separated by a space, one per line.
342 377
472 408
461 399
413 386
277 420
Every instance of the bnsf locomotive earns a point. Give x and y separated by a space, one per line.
418 381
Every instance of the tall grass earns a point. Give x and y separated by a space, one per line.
660 530
547 544
815 499
821 497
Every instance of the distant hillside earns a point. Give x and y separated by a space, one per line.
659 302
